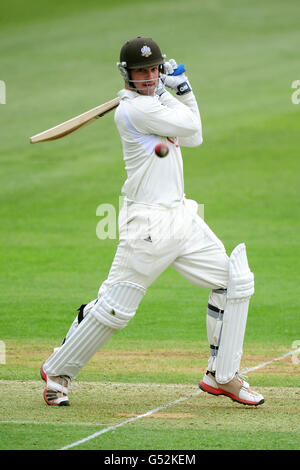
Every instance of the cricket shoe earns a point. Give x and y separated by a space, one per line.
56 391
237 389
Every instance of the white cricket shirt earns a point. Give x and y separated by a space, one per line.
144 121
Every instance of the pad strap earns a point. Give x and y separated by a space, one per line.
56 386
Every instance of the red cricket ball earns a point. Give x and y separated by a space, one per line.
161 149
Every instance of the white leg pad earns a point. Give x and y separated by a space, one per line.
69 359
118 304
111 312
239 290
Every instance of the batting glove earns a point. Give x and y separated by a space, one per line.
175 77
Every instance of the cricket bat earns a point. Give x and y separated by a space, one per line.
76 123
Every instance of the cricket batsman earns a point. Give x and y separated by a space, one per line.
160 227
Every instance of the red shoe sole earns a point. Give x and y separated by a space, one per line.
43 373
219 391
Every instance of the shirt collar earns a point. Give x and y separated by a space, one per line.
127 94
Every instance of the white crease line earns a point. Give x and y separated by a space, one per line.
162 407
130 420
263 364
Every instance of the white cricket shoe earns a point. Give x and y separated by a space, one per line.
56 391
237 389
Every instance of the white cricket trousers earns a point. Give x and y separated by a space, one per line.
153 238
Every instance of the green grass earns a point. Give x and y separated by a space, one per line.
186 425
187 439
58 60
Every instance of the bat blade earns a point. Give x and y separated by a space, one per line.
75 123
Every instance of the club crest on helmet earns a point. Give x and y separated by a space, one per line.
146 51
